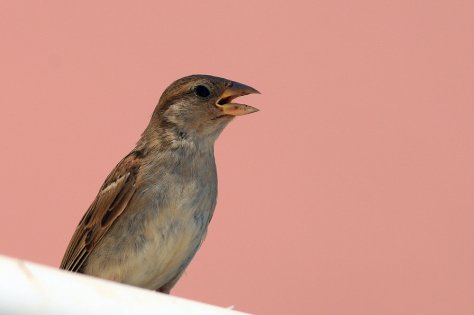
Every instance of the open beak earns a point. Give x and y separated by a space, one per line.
232 91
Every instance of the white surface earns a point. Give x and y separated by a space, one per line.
29 288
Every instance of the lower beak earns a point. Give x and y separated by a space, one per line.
234 90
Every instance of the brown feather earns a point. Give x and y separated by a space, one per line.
109 204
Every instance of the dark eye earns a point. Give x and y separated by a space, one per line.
202 91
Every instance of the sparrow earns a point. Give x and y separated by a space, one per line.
152 212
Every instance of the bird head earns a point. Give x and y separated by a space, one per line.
201 105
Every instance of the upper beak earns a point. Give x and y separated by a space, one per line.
232 91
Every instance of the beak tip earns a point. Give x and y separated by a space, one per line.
242 89
252 110
251 90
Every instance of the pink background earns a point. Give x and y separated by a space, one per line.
354 182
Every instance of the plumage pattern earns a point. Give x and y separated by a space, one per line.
109 204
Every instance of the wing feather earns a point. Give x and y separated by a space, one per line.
112 199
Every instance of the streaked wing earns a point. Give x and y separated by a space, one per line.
112 200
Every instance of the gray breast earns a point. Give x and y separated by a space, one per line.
152 244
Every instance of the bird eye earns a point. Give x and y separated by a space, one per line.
202 91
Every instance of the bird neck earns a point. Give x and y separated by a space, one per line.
174 138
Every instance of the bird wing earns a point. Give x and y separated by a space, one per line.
111 201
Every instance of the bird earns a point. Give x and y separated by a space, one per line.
152 213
